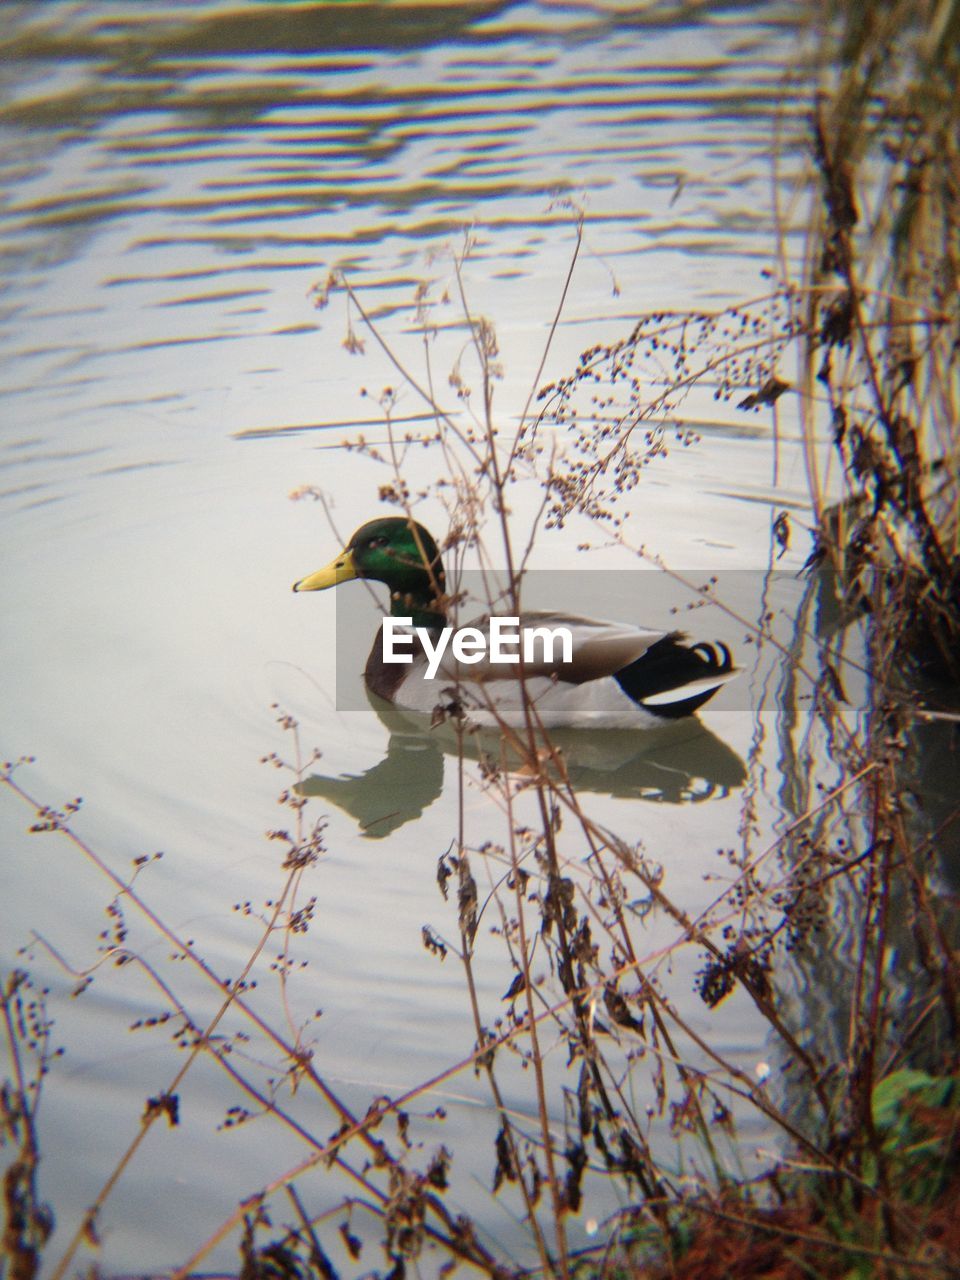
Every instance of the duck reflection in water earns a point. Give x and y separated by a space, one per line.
681 763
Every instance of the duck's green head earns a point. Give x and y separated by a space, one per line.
398 552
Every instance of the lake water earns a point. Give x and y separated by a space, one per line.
178 179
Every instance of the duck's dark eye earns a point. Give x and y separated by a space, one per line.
375 543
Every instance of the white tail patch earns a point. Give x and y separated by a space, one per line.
689 690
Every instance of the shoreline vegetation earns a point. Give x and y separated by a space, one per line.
839 930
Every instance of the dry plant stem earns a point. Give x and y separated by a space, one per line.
487 1060
473 1253
476 1058
580 1002
153 919
490 463
285 1180
581 999
885 227
203 1043
407 377
653 1186
760 632
828 1243
877 1019
869 991
546 350
781 228
27 1222
483 353
688 1078
290 891
915 510
827 1163
641 415
483 350
478 1258
331 1149
943 965
808 397
537 1056
316 1251
498 477
13 1044
396 1104
353 1126
695 930
267 1105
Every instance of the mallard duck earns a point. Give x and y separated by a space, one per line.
585 673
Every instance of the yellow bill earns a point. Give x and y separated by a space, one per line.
340 569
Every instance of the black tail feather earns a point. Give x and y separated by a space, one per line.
671 664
